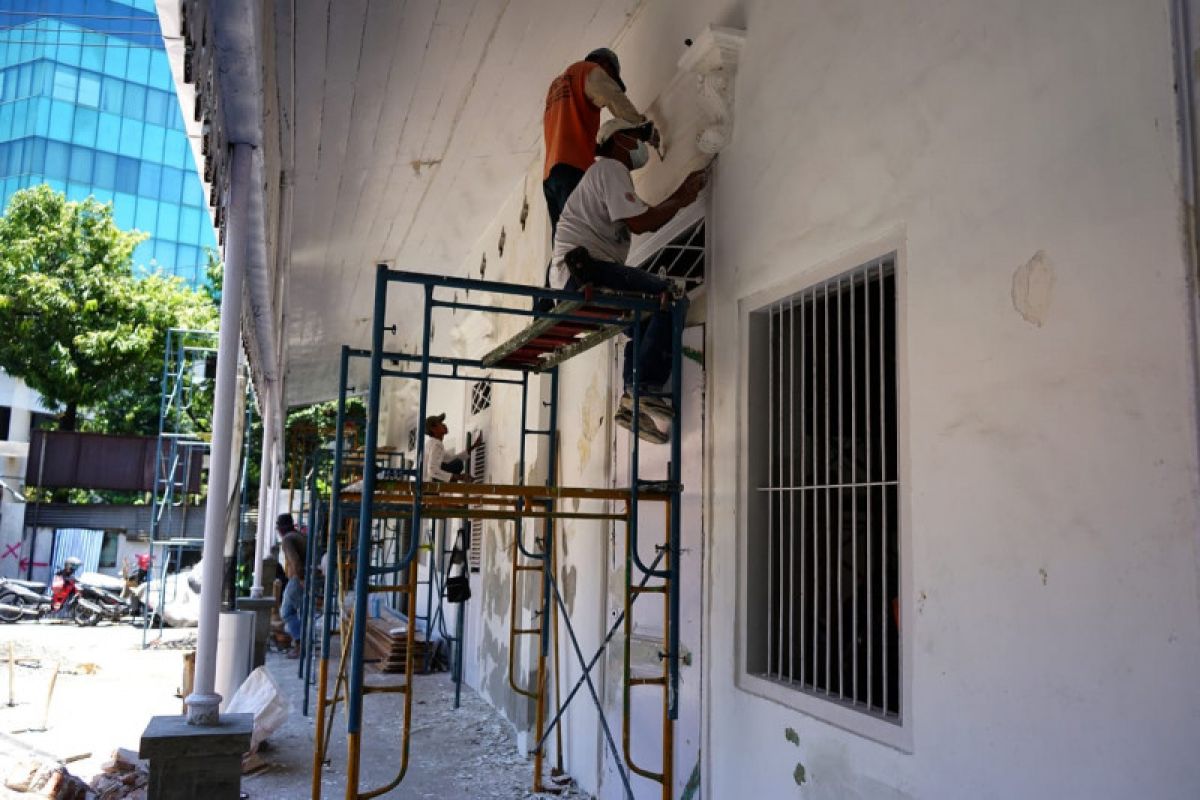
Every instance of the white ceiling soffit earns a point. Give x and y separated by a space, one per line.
412 123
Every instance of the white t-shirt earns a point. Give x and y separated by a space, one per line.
594 217
435 456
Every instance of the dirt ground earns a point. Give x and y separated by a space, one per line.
108 687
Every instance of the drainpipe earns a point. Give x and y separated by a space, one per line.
1185 30
265 482
203 702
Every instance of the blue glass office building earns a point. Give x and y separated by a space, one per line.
87 105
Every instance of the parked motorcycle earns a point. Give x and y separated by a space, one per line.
16 595
21 599
95 603
136 579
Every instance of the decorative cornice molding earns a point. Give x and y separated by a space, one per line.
713 58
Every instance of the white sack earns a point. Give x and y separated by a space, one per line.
259 695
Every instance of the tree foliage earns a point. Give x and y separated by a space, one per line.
80 328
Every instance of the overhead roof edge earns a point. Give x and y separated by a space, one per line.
216 54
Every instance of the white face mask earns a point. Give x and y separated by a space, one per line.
639 156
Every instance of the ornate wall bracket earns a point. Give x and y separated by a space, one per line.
713 59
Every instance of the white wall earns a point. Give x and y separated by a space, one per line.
13 453
1052 616
127 552
1051 469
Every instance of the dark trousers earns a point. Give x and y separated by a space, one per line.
557 187
654 338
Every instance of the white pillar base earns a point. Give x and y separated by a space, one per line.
203 709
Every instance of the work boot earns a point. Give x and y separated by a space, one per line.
647 428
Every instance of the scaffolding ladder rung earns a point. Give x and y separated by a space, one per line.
648 682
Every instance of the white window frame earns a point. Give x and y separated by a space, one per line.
476 466
646 245
894 734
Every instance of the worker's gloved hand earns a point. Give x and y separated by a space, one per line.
648 134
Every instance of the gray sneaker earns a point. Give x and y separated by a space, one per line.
647 428
654 403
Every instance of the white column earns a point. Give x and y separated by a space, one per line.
277 473
265 481
203 702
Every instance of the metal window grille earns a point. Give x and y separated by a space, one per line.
478 471
481 396
412 438
824 509
681 259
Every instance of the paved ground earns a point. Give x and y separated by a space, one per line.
108 687
464 754
106 690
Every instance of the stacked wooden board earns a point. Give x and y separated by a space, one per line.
386 644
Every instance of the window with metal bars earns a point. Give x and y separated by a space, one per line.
681 259
481 396
478 471
412 439
823 554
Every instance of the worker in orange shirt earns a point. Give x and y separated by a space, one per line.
572 120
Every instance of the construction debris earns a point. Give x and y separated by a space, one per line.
124 776
183 643
36 777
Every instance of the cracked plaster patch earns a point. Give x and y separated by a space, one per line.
1033 287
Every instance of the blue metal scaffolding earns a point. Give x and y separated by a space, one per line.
181 451
574 322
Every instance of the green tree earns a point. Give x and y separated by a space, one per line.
214 271
80 328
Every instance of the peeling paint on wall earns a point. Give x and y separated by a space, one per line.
645 650
591 419
419 164
568 580
1032 288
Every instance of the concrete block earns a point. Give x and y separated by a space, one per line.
261 606
193 762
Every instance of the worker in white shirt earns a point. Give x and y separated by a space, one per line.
591 246
437 466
